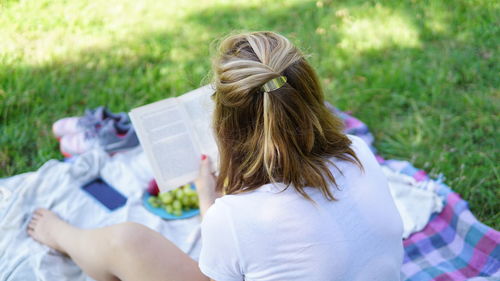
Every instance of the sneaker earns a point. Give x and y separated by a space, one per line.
91 119
118 141
66 126
109 137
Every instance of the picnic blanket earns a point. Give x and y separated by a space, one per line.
57 186
454 245
450 244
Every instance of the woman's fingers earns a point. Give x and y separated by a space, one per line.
205 185
205 166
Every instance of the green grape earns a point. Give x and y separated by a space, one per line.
166 198
189 192
170 195
177 213
153 201
190 203
186 201
169 209
177 205
179 193
194 200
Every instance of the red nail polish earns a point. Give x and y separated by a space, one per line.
203 157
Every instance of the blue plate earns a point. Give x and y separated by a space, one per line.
164 214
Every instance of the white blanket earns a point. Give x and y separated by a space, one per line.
57 186
416 202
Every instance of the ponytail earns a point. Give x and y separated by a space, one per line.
273 134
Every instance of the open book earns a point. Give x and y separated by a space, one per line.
174 133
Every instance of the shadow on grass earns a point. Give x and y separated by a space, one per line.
424 83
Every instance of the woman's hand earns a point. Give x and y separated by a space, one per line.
205 185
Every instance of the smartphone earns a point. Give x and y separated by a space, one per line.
105 194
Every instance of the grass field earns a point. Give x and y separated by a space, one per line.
424 75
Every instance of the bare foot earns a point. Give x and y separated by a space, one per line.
42 227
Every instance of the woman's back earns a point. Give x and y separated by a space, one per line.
266 234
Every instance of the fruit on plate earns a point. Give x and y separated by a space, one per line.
175 201
153 188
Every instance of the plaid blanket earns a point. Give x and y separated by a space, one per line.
454 245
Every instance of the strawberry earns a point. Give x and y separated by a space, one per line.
153 188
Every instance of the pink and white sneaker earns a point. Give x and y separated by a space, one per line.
66 126
75 144
109 136
92 119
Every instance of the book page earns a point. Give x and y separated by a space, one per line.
199 107
165 134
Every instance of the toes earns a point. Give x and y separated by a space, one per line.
34 221
31 226
35 217
44 210
33 235
31 231
39 212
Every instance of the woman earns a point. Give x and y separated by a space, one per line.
302 201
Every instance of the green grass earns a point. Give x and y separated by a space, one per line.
424 75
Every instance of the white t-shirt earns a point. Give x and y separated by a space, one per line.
269 235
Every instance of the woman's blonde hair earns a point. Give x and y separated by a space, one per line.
286 135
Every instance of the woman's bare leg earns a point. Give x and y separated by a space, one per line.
126 251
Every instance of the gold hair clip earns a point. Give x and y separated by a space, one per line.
274 84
